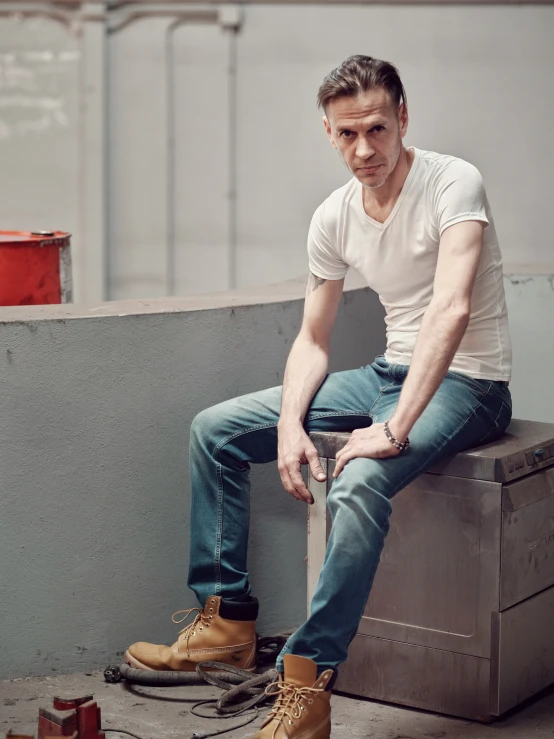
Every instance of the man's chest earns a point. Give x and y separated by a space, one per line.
396 258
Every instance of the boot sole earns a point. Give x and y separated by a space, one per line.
322 732
133 662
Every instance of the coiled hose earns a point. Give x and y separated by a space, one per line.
235 683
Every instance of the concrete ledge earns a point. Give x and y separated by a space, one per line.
94 463
97 403
292 290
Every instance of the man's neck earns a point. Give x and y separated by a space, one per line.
378 203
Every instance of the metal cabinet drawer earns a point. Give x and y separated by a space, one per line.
527 543
437 581
523 651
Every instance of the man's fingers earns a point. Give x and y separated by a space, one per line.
346 448
287 484
293 482
300 487
315 464
293 469
338 467
345 456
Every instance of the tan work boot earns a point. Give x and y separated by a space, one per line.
302 708
222 631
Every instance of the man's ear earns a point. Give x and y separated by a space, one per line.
328 131
403 119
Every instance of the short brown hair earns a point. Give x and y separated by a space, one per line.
359 74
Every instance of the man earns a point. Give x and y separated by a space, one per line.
418 226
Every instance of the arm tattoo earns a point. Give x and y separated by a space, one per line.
315 281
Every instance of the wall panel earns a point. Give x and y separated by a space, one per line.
479 86
40 62
137 163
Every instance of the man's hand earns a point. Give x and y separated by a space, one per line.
296 449
371 442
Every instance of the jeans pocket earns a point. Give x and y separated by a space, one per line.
502 392
480 387
499 425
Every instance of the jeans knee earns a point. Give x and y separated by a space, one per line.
205 425
360 498
214 427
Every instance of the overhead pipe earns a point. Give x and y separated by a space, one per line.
229 18
44 10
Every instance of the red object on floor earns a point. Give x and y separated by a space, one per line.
77 718
35 268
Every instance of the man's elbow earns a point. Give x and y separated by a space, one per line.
317 339
453 310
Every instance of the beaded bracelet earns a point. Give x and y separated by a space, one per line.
400 445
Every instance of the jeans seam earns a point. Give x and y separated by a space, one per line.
219 536
466 380
378 398
502 406
225 441
240 433
425 464
217 553
336 413
495 422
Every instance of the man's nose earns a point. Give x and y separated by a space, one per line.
364 150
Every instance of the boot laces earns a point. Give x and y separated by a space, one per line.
290 700
200 622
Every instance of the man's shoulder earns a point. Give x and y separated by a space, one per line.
341 194
436 167
333 206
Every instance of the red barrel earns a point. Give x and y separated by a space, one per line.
35 267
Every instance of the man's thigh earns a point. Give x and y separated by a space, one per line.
347 400
246 426
462 414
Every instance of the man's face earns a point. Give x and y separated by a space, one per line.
367 130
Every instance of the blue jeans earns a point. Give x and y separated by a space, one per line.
226 438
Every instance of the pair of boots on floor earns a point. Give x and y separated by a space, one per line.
225 631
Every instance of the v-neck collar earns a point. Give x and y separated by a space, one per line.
405 187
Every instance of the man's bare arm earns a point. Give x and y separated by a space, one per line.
443 324
306 369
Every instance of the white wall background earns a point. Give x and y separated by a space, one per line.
40 64
214 153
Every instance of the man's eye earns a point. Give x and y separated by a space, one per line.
377 129
346 134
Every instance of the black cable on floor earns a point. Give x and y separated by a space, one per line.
224 676
209 734
197 734
121 731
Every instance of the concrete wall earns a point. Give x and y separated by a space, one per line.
530 299
96 407
94 504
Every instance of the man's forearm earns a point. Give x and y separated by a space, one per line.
439 337
305 371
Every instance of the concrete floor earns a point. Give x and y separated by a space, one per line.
156 713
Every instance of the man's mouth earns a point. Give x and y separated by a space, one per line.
369 170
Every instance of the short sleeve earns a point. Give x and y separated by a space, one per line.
459 195
324 261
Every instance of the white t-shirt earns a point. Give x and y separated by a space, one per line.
398 258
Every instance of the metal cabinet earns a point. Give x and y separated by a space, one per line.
460 619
